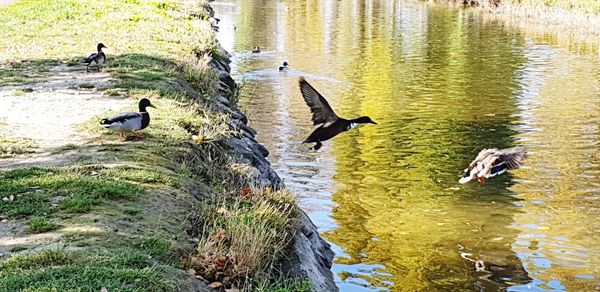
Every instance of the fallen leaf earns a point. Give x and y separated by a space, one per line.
215 285
11 198
232 289
220 234
245 192
103 289
5 199
191 272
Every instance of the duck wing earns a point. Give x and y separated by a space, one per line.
322 113
131 121
91 58
513 157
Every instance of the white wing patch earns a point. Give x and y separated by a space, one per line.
127 125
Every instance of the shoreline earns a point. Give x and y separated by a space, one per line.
571 28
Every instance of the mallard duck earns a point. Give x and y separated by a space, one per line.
285 66
130 121
327 123
256 50
98 58
492 162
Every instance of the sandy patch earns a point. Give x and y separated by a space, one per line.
50 113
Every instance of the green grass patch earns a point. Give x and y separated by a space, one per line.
87 85
18 248
40 224
60 270
157 245
35 187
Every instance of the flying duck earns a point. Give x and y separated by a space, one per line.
285 66
97 58
256 50
130 121
492 162
327 123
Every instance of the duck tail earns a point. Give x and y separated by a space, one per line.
105 123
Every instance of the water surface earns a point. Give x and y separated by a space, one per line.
442 83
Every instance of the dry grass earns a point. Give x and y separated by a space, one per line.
242 238
574 23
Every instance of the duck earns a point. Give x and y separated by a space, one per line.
130 121
98 58
256 50
493 162
285 66
327 123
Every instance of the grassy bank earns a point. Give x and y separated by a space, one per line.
168 213
573 23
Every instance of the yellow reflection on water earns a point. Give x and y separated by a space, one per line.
442 84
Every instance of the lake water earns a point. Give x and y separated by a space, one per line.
442 83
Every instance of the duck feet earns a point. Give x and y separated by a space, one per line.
481 180
122 136
138 136
317 146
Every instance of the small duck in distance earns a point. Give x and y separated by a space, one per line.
130 121
493 162
256 50
97 58
285 66
327 123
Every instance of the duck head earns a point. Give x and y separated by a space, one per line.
285 64
100 46
144 103
467 177
363 120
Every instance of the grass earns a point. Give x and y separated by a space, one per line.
157 245
166 60
582 6
242 238
86 85
61 270
40 224
33 189
573 23
11 147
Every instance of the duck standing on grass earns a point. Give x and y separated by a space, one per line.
327 123
131 121
256 50
492 162
96 58
285 66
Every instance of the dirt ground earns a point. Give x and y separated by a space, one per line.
48 112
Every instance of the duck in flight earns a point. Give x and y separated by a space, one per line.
327 123
96 58
130 121
285 66
493 162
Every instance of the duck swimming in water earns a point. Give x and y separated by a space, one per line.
327 123
285 66
256 50
96 58
493 162
130 121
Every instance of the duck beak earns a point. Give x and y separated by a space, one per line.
152 106
373 122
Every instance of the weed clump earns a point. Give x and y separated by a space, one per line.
241 238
